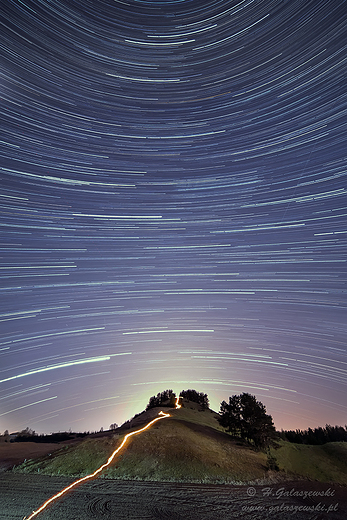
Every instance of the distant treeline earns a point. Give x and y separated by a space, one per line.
29 435
317 435
53 437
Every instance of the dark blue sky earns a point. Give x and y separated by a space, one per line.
173 202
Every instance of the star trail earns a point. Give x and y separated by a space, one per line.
173 202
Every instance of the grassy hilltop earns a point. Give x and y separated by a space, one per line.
190 446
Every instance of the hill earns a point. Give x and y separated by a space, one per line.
189 446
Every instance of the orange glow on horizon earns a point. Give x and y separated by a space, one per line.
162 415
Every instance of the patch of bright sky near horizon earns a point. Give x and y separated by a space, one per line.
173 208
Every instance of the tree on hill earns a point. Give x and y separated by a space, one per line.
166 398
196 397
246 417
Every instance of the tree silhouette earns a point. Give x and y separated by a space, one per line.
165 398
196 397
246 417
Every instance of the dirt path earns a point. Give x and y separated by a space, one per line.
129 500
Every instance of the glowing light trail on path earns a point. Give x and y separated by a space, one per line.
162 415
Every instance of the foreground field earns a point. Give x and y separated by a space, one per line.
129 500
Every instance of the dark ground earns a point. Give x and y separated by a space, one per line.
130 500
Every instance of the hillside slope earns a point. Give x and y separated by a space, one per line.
325 463
189 446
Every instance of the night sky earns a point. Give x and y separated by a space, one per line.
173 208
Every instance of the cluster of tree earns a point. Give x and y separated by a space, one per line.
246 417
317 435
196 397
166 398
